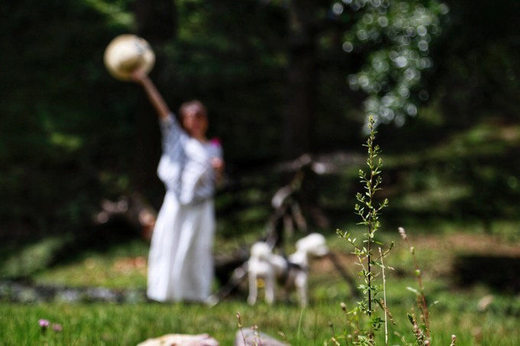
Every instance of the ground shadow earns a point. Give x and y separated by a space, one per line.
497 272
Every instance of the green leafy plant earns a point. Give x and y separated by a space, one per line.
363 320
369 212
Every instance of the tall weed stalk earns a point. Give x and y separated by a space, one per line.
369 212
364 319
422 332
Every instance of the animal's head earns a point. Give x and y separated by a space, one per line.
314 244
261 251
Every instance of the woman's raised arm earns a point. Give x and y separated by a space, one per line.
153 94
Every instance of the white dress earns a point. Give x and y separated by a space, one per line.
180 263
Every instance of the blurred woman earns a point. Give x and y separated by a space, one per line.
180 263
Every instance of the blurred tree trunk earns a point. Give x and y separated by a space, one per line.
157 23
301 92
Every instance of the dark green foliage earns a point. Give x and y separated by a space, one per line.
237 70
60 129
69 134
478 71
393 39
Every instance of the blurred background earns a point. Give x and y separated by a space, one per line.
280 79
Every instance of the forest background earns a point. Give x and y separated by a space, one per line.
277 77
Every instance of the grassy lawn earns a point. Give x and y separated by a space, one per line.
454 310
101 324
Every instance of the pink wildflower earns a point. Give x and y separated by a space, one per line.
43 323
57 327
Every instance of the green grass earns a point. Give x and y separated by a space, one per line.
122 266
110 324
455 311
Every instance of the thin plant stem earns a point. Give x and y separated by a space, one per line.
421 298
300 320
239 320
384 295
369 278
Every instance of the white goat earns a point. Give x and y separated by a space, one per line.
292 272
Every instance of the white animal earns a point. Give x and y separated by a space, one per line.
292 272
